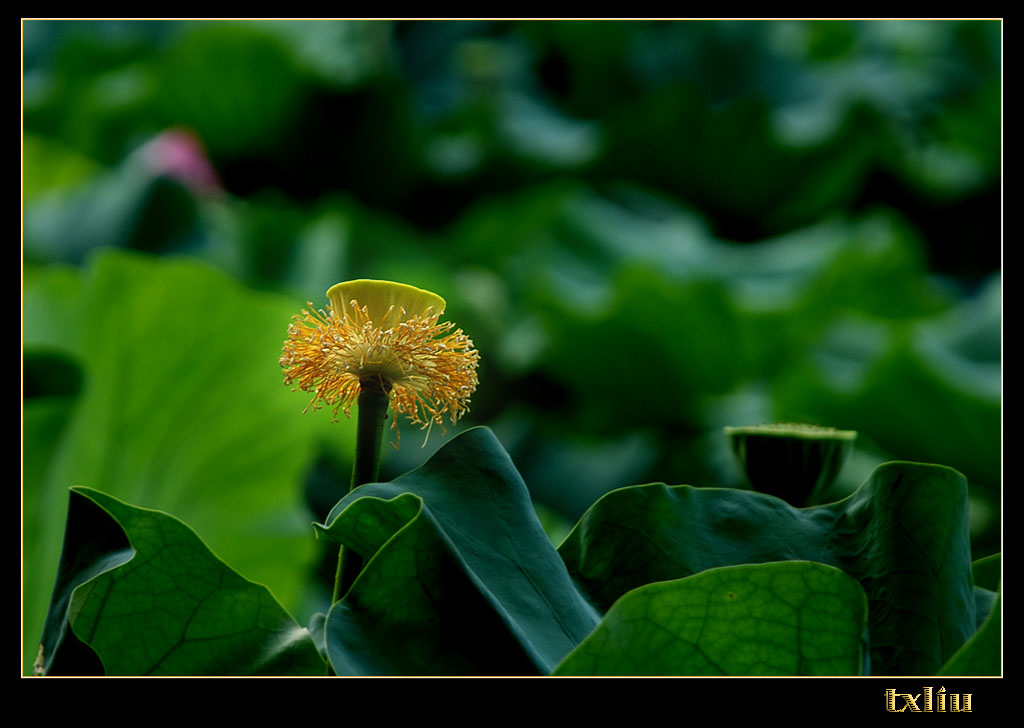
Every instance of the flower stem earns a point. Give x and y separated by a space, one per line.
373 412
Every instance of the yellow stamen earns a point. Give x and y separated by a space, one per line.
388 332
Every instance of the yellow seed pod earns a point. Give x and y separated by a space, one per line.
386 303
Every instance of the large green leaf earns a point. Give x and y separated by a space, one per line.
902 535
785 618
163 605
460 577
416 609
983 653
93 543
181 409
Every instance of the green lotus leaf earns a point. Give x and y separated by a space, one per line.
460 577
145 595
785 618
903 535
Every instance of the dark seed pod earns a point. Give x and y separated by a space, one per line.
795 462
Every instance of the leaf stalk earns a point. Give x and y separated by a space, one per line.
372 414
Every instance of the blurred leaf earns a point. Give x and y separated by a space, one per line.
163 605
236 84
879 269
555 525
51 319
973 330
49 374
589 64
460 577
539 135
130 207
273 242
341 53
786 618
902 535
182 409
49 165
912 395
688 335
725 159
92 84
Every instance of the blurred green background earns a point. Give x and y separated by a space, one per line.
651 230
